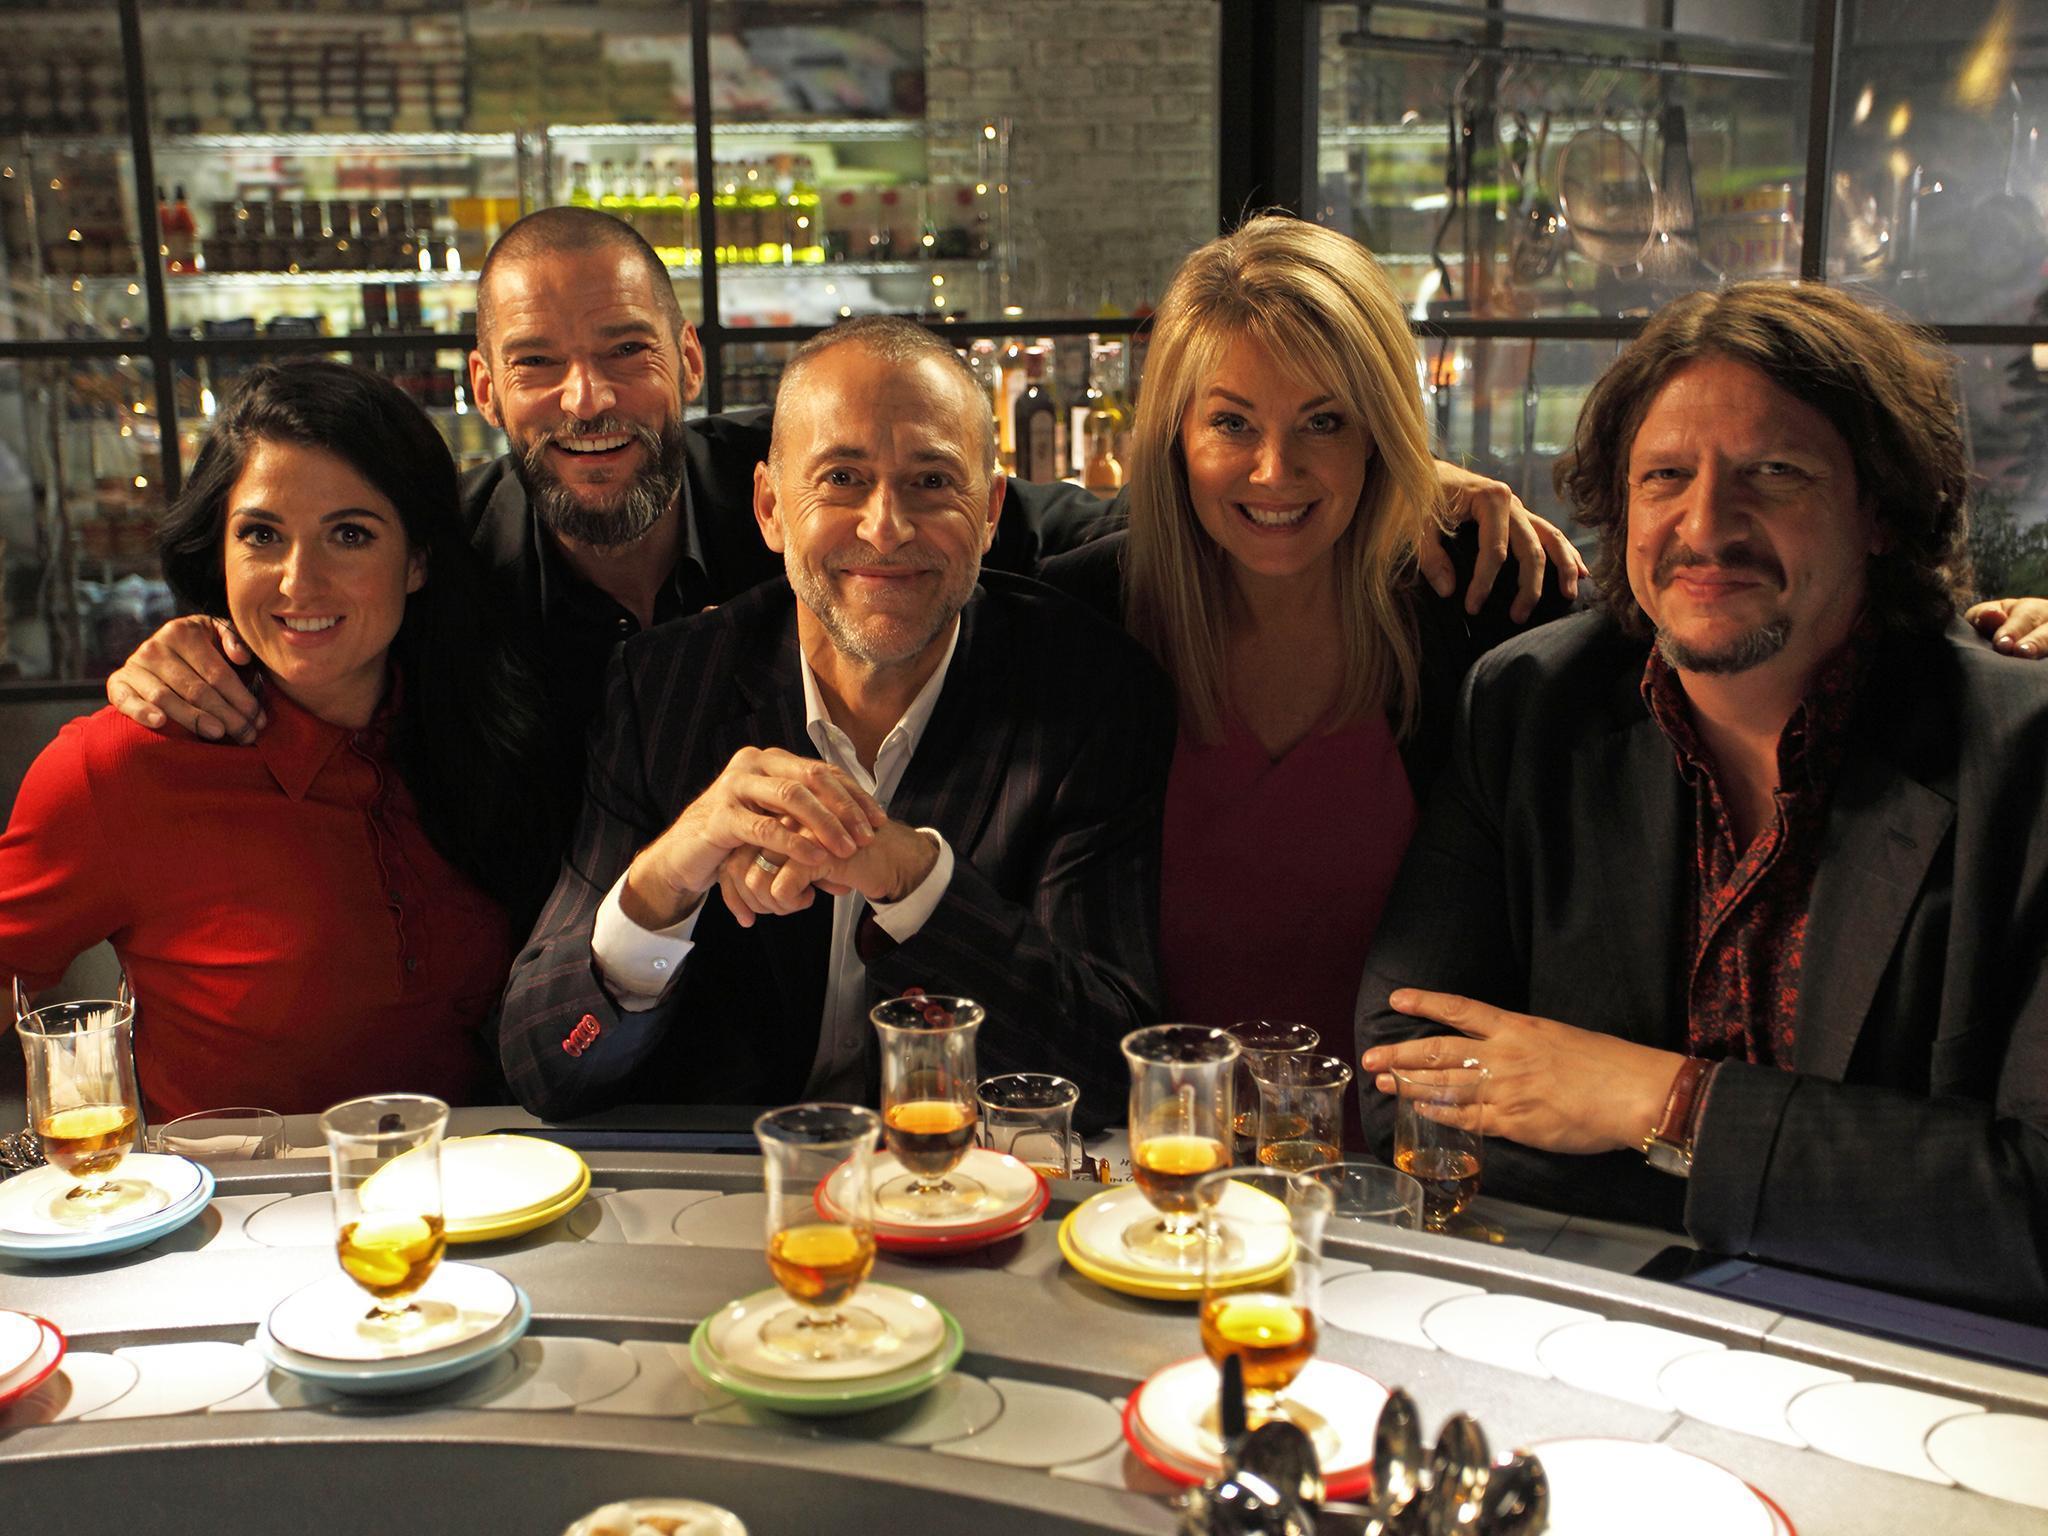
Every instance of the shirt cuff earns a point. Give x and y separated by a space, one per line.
638 965
902 919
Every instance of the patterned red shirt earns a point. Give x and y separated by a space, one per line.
1747 934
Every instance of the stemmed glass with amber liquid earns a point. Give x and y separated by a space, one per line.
1438 1142
389 1232
819 1261
929 1107
1181 1081
1267 1318
83 1101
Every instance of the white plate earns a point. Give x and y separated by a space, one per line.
1500 1330
1625 1487
20 1337
1100 1222
1743 1390
1337 1405
735 1336
2004 1455
378 1377
1008 1184
24 1201
464 1301
1875 1425
483 1179
622 1518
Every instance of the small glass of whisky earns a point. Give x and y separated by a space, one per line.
1181 1081
928 1104
1438 1142
820 1262
1030 1116
1267 1320
83 1100
1259 1042
1300 1110
389 1233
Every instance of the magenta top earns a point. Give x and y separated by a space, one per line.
1274 874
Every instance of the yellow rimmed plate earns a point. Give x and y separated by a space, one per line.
526 1221
1160 1287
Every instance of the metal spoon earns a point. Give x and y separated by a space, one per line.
1244 1504
1396 1455
1284 1456
1458 1468
1517 1501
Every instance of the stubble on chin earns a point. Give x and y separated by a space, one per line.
1750 649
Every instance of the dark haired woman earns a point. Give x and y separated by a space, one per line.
327 915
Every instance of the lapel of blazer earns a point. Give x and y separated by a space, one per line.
962 759
1631 800
1885 824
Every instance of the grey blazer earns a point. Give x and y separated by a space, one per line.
1550 874
1043 765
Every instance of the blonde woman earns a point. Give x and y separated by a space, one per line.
1282 495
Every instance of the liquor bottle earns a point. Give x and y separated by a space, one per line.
180 233
1010 382
981 362
579 186
1038 421
807 208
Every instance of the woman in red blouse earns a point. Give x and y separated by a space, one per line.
324 916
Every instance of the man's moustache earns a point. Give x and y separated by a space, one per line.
1736 557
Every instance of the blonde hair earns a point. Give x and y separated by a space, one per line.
1320 305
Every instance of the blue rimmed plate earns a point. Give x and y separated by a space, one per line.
385 1377
63 1248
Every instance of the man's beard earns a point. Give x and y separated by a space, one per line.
1747 650
849 637
632 509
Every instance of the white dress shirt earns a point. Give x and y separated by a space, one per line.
639 965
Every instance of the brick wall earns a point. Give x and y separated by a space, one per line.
1113 107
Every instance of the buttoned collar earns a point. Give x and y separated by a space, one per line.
297 744
835 746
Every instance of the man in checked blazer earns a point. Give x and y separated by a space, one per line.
1739 887
888 770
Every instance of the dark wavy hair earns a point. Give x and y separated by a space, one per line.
1888 390
469 737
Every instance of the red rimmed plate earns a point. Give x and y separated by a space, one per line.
1178 1464
1785 1525
957 1235
37 1368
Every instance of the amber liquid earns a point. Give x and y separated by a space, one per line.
391 1255
821 1263
1294 1156
928 1136
89 1141
1272 1336
1449 1180
1167 1167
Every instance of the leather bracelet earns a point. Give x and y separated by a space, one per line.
1668 1144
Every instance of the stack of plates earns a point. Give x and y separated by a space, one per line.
473 1316
1092 1238
491 1186
30 1348
178 1190
1016 1197
727 1350
1603 1487
1170 1422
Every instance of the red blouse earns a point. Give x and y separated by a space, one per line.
1274 874
291 936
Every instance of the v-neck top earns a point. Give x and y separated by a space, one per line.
1274 874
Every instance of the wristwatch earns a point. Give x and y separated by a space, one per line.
1668 1146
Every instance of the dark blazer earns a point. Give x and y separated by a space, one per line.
1043 765
1551 873
1450 639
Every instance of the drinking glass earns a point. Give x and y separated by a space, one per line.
1372 1192
1258 1042
928 1104
1030 1115
1437 1140
1181 1081
83 1100
389 1233
1301 1109
1268 1322
223 1135
820 1262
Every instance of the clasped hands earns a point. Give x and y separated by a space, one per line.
1551 1086
771 831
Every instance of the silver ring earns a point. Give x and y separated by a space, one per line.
766 865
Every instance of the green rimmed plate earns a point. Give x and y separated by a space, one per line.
832 1398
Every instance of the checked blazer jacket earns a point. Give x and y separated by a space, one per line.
1043 765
